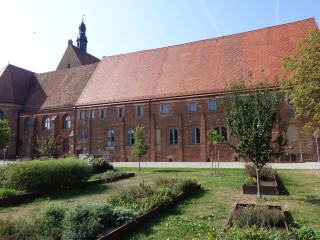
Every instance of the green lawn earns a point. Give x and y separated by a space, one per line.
207 208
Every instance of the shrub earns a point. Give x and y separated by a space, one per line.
8 192
81 222
260 216
124 215
37 175
107 174
266 173
49 221
7 229
100 165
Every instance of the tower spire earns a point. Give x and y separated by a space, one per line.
82 39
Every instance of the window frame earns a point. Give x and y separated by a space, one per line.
46 123
1 115
173 136
139 110
195 136
81 115
110 138
192 106
83 134
66 145
121 112
130 138
26 124
215 105
102 113
163 108
67 122
91 114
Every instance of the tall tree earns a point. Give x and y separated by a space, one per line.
303 69
139 147
4 133
252 112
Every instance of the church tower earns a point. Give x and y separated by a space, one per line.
82 39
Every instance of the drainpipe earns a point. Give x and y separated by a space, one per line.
74 129
150 150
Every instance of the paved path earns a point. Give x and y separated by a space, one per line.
306 165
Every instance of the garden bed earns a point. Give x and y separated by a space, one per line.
269 187
279 223
14 200
128 228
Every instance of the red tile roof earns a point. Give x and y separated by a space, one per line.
59 88
197 67
85 59
15 83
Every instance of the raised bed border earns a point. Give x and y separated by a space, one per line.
128 228
228 223
14 200
265 190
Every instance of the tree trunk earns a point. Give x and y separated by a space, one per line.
258 183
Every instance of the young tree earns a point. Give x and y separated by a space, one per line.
139 147
47 147
251 114
215 139
4 134
303 69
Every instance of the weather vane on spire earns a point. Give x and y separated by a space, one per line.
82 17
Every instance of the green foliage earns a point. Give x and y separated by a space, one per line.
100 165
49 221
140 147
81 222
8 192
303 69
250 181
251 116
37 175
47 147
215 137
107 174
260 216
304 233
4 133
266 173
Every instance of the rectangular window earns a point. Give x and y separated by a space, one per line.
212 105
91 114
83 134
192 106
163 108
102 113
81 115
139 111
195 136
173 136
121 112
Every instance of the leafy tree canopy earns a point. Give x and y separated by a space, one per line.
303 69
139 148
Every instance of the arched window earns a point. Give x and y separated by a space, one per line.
173 136
195 136
130 138
222 131
66 145
1 115
67 122
26 126
46 123
110 138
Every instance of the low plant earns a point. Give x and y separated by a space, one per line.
266 173
260 216
107 174
99 165
8 192
37 175
250 181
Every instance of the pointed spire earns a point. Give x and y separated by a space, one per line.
82 39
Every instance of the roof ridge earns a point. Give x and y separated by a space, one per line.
210 39
66 69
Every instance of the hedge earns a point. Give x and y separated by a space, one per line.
39 175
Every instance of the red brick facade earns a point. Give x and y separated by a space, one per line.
171 86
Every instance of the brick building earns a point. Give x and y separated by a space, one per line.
93 106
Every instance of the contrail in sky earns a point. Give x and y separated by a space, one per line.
210 17
277 12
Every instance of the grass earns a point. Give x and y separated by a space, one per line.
207 208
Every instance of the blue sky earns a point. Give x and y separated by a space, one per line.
34 33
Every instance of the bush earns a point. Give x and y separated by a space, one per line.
260 216
107 174
266 173
81 222
250 181
37 175
8 192
100 165
7 229
49 221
